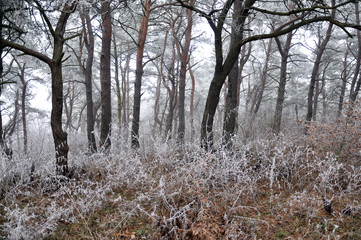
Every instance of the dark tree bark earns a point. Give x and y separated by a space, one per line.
182 76
118 90
316 68
88 36
261 87
344 77
105 78
222 69
231 107
284 51
142 35
356 79
1 79
24 84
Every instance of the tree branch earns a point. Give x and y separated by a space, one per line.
26 50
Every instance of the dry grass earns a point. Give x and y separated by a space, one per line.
267 189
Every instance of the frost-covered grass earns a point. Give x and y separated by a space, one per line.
271 188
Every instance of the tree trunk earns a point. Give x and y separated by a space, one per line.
191 105
125 91
23 105
117 83
142 35
231 107
262 85
182 75
222 69
316 67
60 137
284 51
356 84
171 90
344 77
105 78
88 75
1 79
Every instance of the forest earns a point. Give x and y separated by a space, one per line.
180 119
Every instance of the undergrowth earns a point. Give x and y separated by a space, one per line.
275 188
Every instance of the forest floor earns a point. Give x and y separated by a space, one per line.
265 189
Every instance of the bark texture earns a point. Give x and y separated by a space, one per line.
231 108
142 35
88 36
316 69
284 51
182 76
105 78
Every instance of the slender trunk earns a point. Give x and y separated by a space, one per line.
263 78
105 78
355 84
117 84
182 75
172 94
324 102
191 105
156 104
23 108
142 35
316 67
1 80
88 75
231 107
125 91
344 77
68 106
284 51
315 101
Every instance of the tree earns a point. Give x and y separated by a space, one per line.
344 77
142 36
12 32
88 36
55 65
24 84
105 77
321 46
284 51
231 111
305 13
261 87
183 53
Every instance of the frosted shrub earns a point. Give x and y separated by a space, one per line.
167 191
